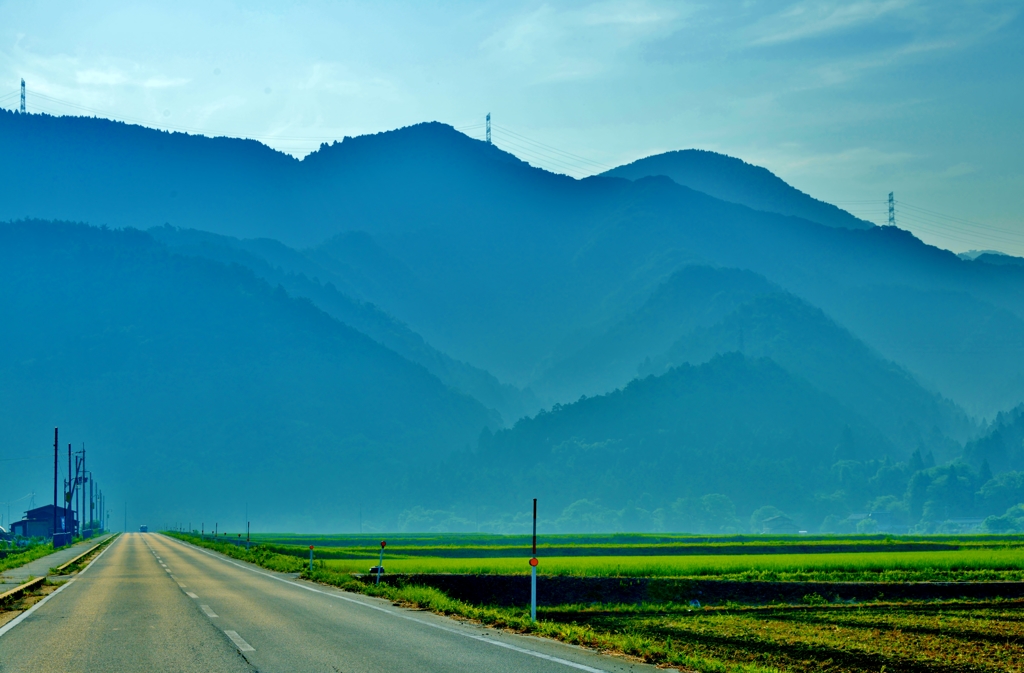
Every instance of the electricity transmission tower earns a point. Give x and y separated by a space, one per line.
892 211
488 116
22 96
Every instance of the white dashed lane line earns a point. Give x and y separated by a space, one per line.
239 642
233 635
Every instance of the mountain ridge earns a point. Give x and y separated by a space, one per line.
736 181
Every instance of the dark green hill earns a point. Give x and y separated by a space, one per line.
197 385
734 180
734 426
808 344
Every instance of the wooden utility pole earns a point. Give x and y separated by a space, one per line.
56 450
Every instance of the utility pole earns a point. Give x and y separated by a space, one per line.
85 480
892 211
125 516
488 115
23 96
56 448
67 495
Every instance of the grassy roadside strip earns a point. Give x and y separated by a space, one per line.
17 560
76 565
36 589
632 644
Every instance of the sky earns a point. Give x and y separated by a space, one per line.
847 101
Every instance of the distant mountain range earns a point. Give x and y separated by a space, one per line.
407 302
736 181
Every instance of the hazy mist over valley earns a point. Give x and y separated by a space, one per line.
405 324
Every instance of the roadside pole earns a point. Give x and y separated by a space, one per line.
533 568
310 558
56 448
380 563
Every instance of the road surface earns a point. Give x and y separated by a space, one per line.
150 603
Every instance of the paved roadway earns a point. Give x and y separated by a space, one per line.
150 603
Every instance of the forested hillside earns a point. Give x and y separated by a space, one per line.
736 427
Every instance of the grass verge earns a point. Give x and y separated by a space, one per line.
31 554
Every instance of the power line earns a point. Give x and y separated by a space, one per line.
540 145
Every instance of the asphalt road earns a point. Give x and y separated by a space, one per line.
150 603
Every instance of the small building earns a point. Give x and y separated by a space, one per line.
779 525
38 522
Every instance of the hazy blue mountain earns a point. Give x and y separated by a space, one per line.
734 180
268 259
510 268
808 344
991 258
179 370
734 426
694 296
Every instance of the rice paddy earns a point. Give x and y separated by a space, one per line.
974 564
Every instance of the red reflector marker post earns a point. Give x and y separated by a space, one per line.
533 568
310 558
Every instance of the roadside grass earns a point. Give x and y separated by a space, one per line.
30 554
915 637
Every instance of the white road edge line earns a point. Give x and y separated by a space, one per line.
239 642
473 636
209 613
17 620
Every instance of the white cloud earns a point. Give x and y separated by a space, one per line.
812 19
580 42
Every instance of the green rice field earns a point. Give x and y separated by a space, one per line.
975 564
